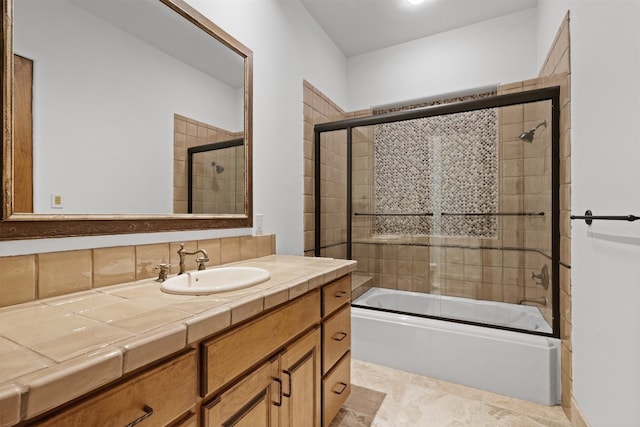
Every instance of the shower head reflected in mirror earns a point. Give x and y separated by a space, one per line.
528 135
218 168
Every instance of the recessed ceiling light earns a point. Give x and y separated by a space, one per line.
415 1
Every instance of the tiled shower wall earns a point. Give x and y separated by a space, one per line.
31 277
219 192
474 265
188 133
320 109
437 164
460 266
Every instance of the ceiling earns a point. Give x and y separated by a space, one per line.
359 26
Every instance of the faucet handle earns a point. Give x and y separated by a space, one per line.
164 271
201 261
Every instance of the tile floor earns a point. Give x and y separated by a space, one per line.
386 397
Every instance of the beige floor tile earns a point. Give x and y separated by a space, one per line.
410 400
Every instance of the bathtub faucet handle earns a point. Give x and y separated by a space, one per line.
543 276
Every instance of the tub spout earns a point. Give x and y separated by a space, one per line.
540 301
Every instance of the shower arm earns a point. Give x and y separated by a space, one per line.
540 124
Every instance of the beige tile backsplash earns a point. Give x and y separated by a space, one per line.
62 273
148 256
230 250
113 265
30 277
17 269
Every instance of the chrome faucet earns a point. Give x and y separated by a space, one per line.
200 260
540 300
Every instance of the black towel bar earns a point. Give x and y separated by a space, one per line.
589 217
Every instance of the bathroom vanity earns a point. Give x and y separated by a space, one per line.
283 358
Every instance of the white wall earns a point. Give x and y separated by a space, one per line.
103 111
500 50
288 47
605 62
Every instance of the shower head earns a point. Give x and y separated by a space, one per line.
219 169
528 135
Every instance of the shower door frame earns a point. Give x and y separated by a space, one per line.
237 142
526 97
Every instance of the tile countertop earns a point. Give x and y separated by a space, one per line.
54 350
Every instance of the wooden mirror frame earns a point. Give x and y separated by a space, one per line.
17 226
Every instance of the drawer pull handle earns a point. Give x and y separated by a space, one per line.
290 391
344 387
148 411
340 336
279 381
341 294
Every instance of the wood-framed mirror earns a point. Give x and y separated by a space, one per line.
100 105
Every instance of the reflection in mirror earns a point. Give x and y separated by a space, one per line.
213 171
90 92
107 79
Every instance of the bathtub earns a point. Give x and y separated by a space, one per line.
515 364
513 316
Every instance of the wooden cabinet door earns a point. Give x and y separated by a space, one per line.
300 371
253 402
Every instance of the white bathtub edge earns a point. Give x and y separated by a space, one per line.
518 365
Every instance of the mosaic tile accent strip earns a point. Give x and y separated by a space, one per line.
430 102
437 164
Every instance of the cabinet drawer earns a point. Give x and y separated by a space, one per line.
231 354
336 337
336 388
335 295
165 392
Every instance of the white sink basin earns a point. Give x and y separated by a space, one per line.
215 280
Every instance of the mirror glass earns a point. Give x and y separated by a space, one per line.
213 173
108 97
